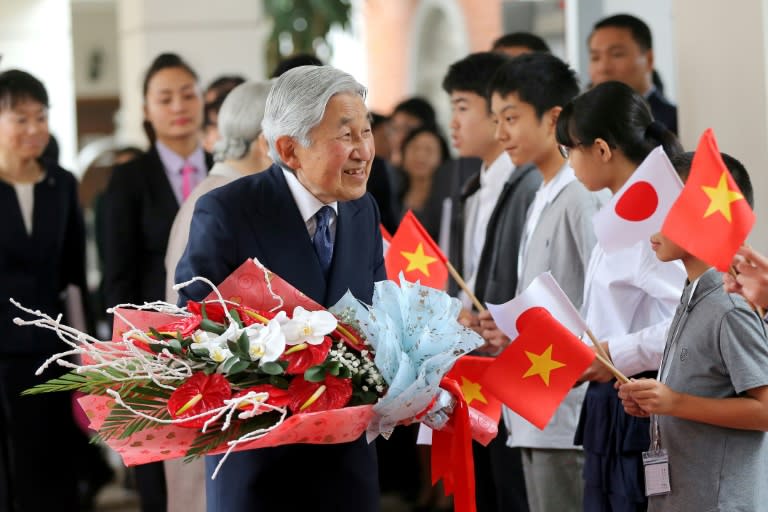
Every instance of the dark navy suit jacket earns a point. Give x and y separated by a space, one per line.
256 216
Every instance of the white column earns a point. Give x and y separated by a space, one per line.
214 37
36 36
722 77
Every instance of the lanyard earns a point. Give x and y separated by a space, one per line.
664 366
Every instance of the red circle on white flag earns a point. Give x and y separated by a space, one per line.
638 202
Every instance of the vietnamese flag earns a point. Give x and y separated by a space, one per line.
639 208
711 219
543 292
414 253
468 372
538 369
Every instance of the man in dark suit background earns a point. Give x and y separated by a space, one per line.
621 48
309 220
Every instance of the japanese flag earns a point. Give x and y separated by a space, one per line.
639 208
542 292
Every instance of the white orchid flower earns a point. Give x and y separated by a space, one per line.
266 343
308 326
215 344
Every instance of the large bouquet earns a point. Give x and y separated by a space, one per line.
260 364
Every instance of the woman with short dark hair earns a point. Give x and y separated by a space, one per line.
42 252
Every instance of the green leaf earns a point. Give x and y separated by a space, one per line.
315 374
238 367
234 314
157 347
122 423
244 344
231 361
214 437
279 382
175 347
67 382
211 326
333 368
271 368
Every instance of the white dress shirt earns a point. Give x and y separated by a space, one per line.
629 300
309 205
479 207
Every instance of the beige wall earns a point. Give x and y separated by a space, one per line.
36 36
226 39
721 76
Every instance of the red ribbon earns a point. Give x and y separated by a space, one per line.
452 453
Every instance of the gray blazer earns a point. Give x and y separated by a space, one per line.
563 240
561 244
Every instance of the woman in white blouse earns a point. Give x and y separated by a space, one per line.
629 295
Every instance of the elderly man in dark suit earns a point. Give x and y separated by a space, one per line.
309 219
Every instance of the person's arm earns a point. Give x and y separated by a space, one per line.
210 251
641 350
749 412
123 242
752 279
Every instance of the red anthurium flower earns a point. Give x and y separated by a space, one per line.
277 397
216 313
143 345
186 326
198 394
332 393
349 336
304 356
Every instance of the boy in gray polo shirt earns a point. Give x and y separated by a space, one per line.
710 405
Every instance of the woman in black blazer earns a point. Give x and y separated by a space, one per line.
141 201
42 251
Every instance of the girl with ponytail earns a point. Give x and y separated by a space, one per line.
629 295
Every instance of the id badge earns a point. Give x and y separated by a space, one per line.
656 464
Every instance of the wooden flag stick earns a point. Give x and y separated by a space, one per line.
463 285
602 356
755 307
615 371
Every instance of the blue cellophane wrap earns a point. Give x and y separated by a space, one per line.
417 339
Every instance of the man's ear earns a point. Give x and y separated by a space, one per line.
286 147
649 59
605 151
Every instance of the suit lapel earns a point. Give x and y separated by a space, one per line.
159 184
290 253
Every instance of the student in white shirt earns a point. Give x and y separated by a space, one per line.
629 295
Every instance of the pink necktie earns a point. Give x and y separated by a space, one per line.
186 180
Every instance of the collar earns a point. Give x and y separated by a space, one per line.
556 185
173 162
307 203
703 285
498 172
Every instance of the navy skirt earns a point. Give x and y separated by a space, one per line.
613 443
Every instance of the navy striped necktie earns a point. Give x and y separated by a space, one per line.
322 240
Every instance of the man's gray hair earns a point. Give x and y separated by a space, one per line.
297 102
240 119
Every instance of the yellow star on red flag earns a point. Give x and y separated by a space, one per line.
721 197
542 364
417 260
472 391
